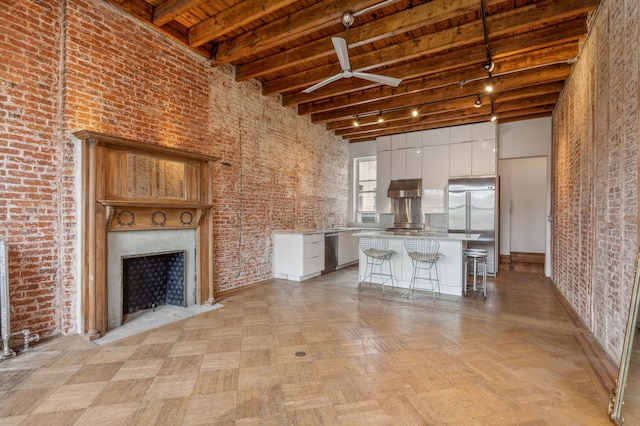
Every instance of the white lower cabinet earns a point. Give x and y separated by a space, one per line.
348 248
298 257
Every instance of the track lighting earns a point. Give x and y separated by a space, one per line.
380 119
414 112
356 121
488 66
478 102
494 117
489 86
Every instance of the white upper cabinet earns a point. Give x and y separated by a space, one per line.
435 176
459 134
406 163
483 157
398 164
435 137
483 131
414 140
399 141
383 143
460 159
383 177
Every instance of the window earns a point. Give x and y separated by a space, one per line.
365 189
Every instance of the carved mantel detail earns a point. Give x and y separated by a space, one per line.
129 185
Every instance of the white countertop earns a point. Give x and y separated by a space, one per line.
428 235
307 231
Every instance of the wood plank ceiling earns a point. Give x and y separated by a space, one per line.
439 48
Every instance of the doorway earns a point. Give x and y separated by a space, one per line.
523 209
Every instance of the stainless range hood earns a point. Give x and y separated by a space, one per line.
407 204
405 188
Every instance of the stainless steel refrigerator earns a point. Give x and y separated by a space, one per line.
472 209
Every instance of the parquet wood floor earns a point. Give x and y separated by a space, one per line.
325 352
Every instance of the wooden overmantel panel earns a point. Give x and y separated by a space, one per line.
129 185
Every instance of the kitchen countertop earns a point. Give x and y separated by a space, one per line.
424 234
307 231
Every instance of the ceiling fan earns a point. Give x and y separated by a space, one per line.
341 47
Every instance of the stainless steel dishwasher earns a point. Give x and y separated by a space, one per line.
330 251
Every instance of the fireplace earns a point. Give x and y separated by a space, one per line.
152 280
140 199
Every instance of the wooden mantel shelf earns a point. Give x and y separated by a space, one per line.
143 202
129 145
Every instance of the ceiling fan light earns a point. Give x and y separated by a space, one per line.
478 102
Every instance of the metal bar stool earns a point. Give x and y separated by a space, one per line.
424 255
478 258
376 250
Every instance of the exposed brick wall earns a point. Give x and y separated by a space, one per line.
122 78
30 173
596 134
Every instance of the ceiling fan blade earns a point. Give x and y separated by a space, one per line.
323 83
389 81
340 45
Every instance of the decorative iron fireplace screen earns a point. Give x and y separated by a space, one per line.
152 280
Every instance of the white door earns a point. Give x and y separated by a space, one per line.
528 204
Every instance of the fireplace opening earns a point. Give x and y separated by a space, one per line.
152 280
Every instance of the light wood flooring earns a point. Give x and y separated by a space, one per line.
325 352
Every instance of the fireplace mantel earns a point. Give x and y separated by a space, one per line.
129 186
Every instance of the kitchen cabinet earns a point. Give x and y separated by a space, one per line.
383 143
398 164
298 256
483 157
435 176
406 163
482 131
383 176
348 248
414 140
435 137
398 141
476 158
460 159
459 134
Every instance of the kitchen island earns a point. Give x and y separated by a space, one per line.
449 265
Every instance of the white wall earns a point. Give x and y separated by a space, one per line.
524 139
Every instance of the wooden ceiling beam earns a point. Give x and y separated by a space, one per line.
509 64
232 18
288 28
171 9
501 83
428 113
560 36
519 19
384 27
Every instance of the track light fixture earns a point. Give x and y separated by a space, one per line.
488 66
493 117
414 112
356 121
489 86
380 119
478 102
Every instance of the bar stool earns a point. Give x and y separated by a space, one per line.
376 250
424 255
478 258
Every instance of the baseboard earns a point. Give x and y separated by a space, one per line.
505 258
523 257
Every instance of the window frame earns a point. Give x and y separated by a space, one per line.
356 188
